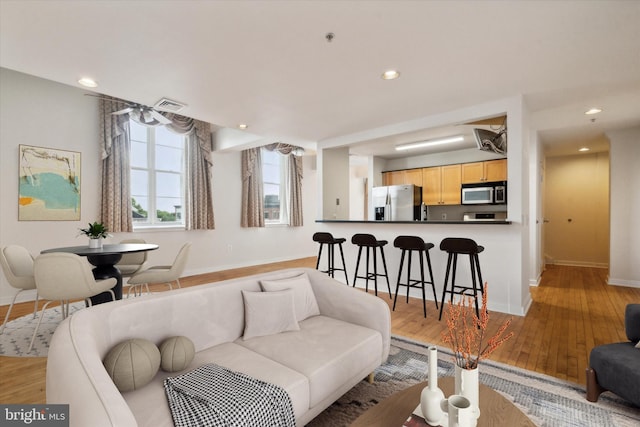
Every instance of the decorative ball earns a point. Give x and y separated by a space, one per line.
176 353
132 364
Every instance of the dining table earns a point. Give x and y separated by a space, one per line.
104 260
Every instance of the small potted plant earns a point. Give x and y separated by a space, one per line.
96 232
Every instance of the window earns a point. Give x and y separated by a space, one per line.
157 176
273 177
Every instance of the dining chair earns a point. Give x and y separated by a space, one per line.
131 263
17 265
161 273
65 276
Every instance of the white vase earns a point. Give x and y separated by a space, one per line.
95 243
431 396
467 385
459 411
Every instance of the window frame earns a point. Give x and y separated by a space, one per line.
152 221
283 217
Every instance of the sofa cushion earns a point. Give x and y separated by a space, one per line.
132 363
632 322
305 301
268 313
150 407
617 369
325 350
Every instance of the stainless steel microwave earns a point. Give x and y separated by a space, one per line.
485 193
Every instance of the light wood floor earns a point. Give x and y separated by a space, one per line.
573 310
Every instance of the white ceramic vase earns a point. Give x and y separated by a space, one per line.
459 411
95 243
431 396
466 384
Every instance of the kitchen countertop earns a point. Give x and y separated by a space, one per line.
439 221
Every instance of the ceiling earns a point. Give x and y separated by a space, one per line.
270 65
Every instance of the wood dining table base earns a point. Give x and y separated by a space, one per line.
495 409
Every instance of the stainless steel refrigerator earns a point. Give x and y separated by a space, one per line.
397 203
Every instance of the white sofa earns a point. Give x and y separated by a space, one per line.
329 355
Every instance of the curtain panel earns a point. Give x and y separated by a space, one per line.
115 143
295 195
252 214
199 195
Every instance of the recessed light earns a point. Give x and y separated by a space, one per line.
391 74
583 149
243 126
593 111
88 82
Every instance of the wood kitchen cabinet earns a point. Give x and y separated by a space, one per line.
491 170
403 177
413 176
393 178
441 185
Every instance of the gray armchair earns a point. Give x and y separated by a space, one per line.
616 367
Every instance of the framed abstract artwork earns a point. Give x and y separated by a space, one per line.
49 188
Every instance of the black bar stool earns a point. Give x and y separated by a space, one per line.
330 241
369 241
455 246
410 244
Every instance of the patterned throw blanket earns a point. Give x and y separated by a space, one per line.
212 395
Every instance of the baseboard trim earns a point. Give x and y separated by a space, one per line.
23 297
196 272
535 281
623 282
579 263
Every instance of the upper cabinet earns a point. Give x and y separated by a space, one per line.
413 176
491 170
403 177
393 178
441 185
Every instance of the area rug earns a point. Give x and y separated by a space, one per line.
16 337
546 400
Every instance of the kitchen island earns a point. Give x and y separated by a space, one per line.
427 222
500 261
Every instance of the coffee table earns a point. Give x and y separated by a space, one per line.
495 410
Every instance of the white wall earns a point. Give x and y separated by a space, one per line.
536 220
334 164
357 191
39 112
624 259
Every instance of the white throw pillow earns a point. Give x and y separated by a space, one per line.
268 313
638 344
304 298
